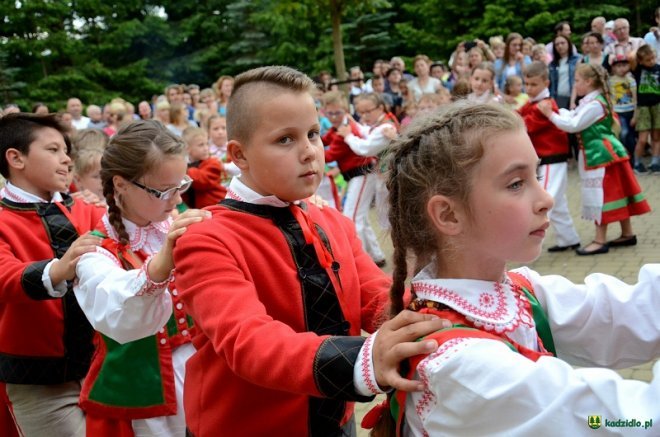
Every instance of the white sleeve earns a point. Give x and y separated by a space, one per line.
481 387
579 119
603 322
364 377
121 304
372 145
54 290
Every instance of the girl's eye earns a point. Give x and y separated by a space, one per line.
516 185
285 140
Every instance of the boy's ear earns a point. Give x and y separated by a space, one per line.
445 214
236 152
15 159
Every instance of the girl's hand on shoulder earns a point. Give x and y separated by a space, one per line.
545 106
344 130
389 132
185 219
396 341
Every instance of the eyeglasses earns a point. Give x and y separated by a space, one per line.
368 111
169 193
333 114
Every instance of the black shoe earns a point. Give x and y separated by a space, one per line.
381 263
604 248
558 248
623 241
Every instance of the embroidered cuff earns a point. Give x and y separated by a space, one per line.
334 368
363 374
143 285
32 281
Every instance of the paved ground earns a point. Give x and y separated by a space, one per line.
621 262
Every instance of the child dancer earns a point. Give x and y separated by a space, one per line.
280 289
482 84
610 192
357 170
552 147
45 341
466 200
125 288
205 172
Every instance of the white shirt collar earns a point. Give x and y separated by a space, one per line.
590 97
148 239
494 306
239 191
15 194
541 96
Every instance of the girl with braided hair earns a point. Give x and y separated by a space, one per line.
610 191
465 201
126 289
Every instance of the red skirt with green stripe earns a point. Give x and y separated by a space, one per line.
622 195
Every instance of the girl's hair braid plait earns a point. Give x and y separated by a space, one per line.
114 213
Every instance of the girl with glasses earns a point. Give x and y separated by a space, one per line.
126 288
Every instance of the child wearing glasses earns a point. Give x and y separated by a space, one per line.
125 288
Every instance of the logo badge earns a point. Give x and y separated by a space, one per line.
594 422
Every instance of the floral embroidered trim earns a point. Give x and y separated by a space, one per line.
501 309
149 287
148 238
231 194
366 366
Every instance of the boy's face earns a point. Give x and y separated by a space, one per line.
378 85
284 154
45 168
336 113
198 148
648 61
620 68
91 180
534 85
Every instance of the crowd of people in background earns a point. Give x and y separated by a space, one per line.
150 168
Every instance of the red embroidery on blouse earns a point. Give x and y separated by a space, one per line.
366 368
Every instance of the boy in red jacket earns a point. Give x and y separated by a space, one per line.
45 339
552 147
280 289
205 171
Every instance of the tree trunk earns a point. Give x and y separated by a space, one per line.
336 7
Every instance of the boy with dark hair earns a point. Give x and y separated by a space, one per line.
551 145
280 289
45 339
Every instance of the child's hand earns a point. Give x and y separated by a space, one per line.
396 341
88 197
317 200
162 263
545 106
344 130
389 132
64 269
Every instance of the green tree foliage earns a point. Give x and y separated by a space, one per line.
97 50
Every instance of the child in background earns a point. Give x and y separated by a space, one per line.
408 112
216 126
482 84
377 128
466 201
205 172
647 112
87 171
623 90
357 170
610 192
45 341
514 97
279 288
125 288
429 102
552 147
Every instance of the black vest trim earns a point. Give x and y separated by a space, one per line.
78 333
335 359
